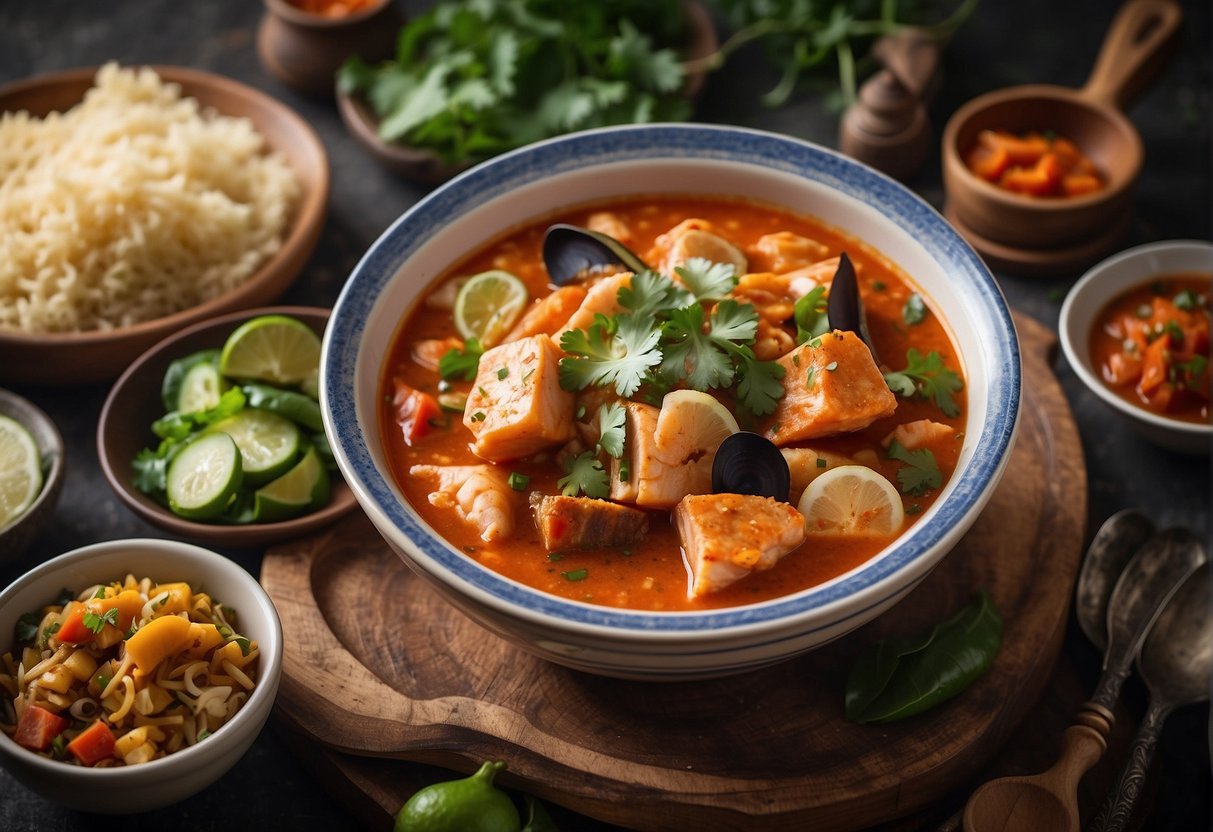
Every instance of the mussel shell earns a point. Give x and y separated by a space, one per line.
844 308
747 463
571 252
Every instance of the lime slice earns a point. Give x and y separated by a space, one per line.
488 306
268 443
204 476
304 487
852 500
20 470
691 425
271 348
201 387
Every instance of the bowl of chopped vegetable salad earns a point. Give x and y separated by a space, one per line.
539 440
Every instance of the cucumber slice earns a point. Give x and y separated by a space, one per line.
170 387
303 488
268 443
201 387
203 476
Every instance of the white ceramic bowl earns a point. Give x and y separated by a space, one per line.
126 789
1091 294
485 201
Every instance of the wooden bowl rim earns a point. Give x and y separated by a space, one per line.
301 236
341 500
287 11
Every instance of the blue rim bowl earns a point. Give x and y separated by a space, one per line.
498 195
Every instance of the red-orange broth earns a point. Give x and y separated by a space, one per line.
652 575
1151 345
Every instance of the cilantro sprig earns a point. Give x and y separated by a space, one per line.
584 474
920 473
927 376
97 623
461 363
667 336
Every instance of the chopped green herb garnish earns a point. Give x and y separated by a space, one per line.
913 508
576 574
584 474
625 470
879 286
555 556
478 416
49 631
503 373
920 473
59 747
821 463
100 593
1186 300
203 734
103 681
914 311
27 627
97 623
518 481
928 377
810 377
461 363
611 428
810 315
707 280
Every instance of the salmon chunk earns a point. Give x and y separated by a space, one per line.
784 251
548 314
654 478
479 495
517 406
601 299
807 464
727 536
586 523
831 385
919 434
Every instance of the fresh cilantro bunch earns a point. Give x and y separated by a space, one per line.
928 377
669 336
474 78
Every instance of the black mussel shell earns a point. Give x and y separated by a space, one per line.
747 463
845 307
571 252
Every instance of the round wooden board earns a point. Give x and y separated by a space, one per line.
377 665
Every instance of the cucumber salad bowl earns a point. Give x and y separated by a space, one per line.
489 200
238 455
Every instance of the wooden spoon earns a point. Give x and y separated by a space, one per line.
1050 800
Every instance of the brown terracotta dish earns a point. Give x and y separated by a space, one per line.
134 403
426 167
304 50
18 535
1029 235
95 356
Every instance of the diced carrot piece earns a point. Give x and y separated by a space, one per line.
37 727
1077 184
94 744
1122 368
1154 367
1160 400
1020 151
1066 151
414 410
990 163
72 629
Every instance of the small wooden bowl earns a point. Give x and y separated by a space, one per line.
305 50
1051 235
134 403
16 537
96 356
428 168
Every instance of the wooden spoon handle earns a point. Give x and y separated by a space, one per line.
1134 50
1117 809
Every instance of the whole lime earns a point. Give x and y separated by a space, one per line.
473 804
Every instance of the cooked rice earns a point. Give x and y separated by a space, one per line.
134 204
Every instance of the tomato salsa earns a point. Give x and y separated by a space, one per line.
530 450
1151 345
1034 164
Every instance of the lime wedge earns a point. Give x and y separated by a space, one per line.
268 443
273 348
304 487
203 477
488 306
20 470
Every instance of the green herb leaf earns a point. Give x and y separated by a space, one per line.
97 623
576 574
898 678
914 311
761 384
518 481
810 315
1186 300
27 627
928 377
584 474
608 358
920 474
707 280
611 433
461 363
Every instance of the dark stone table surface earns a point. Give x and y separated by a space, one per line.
1004 43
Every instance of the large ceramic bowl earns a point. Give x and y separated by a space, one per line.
485 201
97 355
1080 313
127 789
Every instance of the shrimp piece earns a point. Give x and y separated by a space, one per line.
608 223
919 434
427 353
480 495
784 251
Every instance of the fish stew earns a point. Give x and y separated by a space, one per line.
622 386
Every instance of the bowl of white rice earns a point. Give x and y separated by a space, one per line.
136 201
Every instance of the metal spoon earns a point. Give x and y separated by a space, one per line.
1117 540
1049 800
1176 663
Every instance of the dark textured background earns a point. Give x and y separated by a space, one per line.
1005 43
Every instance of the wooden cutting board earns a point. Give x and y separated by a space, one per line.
377 665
